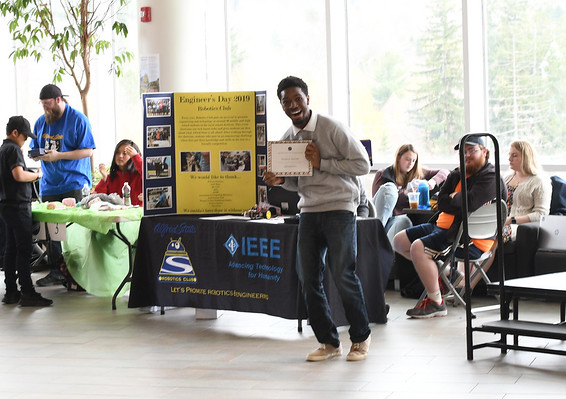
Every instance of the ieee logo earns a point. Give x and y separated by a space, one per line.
263 247
231 245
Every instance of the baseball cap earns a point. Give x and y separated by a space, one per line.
50 91
21 124
473 140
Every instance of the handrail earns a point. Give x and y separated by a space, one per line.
468 293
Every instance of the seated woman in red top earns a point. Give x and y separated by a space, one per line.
127 166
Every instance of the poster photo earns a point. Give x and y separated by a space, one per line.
260 104
262 194
195 161
261 164
158 107
260 134
158 167
235 161
159 197
158 136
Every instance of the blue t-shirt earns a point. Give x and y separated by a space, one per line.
70 132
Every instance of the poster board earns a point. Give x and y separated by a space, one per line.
203 152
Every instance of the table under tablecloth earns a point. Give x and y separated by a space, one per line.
96 258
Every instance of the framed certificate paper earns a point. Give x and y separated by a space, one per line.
287 158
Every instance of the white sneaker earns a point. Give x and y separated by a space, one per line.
325 351
359 350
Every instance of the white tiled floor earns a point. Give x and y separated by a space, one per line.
80 348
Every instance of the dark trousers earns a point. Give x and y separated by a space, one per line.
17 255
331 235
55 251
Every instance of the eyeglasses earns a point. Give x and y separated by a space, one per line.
471 151
46 103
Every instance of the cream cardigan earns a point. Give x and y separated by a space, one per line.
531 197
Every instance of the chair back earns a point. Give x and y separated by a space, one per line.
558 198
482 223
372 210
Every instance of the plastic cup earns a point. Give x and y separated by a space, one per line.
414 200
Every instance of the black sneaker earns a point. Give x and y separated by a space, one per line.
11 297
34 299
50 280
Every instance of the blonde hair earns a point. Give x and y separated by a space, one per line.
415 173
529 164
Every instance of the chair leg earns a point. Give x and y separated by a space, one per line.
477 272
38 256
453 292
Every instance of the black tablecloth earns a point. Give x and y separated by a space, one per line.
242 265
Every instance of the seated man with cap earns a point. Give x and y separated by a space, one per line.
419 243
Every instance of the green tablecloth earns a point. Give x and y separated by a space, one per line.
99 262
100 221
95 257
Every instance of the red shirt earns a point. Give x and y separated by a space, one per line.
115 185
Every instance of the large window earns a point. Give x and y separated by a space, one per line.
393 70
407 76
527 74
270 40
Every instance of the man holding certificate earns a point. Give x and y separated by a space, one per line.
327 224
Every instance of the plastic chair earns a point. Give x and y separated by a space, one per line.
372 210
482 224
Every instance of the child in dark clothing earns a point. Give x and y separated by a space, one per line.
15 210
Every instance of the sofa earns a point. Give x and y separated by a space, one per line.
524 258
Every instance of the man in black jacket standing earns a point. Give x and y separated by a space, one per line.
420 243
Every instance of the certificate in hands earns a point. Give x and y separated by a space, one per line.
287 158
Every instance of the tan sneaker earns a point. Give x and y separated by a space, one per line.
325 351
359 350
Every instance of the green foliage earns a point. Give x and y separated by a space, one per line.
237 55
527 74
69 32
440 96
390 76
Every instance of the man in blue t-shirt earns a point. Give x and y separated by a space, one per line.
65 135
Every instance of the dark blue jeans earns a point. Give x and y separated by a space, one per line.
17 255
331 235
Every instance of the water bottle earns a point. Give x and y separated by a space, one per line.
423 196
85 191
126 194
